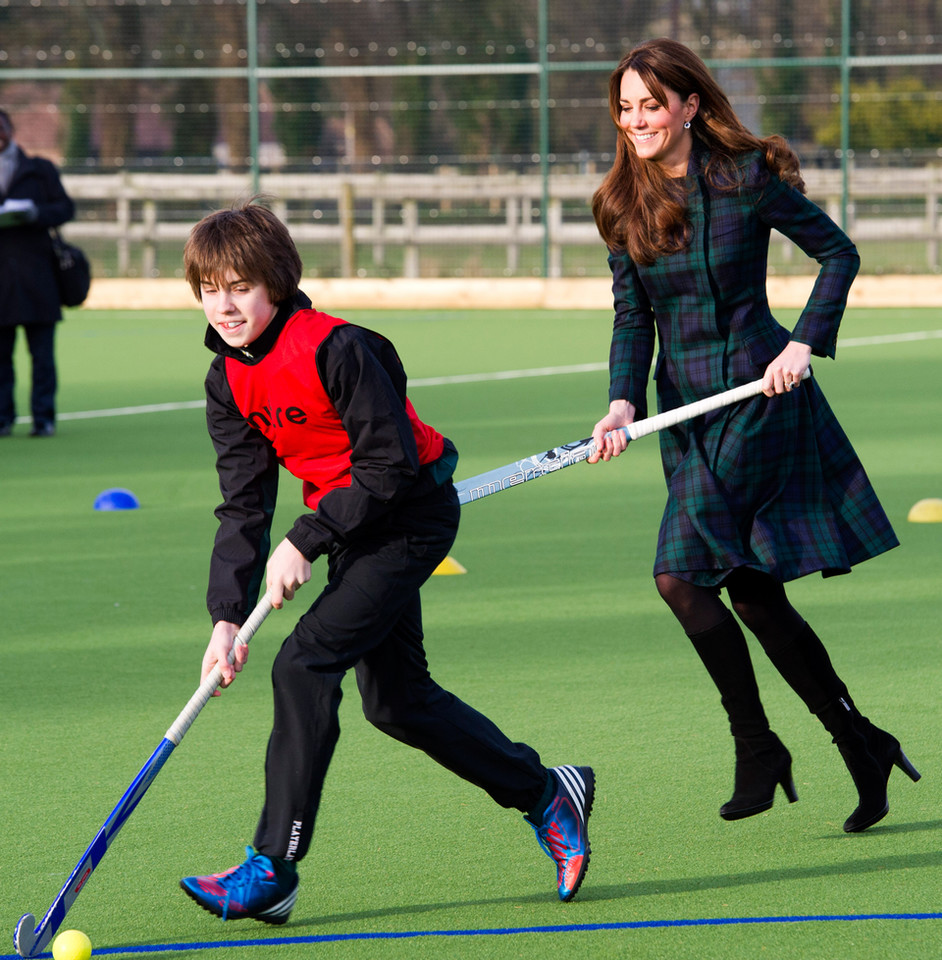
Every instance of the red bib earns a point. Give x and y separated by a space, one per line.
283 397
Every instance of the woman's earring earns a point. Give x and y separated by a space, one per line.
687 125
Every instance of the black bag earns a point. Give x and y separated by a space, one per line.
73 271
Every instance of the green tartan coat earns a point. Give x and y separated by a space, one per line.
770 483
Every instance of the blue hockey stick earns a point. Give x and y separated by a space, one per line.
29 941
550 461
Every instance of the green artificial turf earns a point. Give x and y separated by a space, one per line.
556 632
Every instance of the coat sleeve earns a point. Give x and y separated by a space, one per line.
248 481
810 228
632 335
56 206
366 384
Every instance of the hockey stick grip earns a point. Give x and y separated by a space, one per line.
206 689
671 418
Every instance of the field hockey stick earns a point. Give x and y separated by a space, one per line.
29 941
541 464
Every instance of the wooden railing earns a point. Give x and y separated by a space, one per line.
139 212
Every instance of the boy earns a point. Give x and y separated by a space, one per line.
326 400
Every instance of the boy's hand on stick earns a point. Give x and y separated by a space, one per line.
288 569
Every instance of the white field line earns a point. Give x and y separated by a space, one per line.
890 338
509 375
125 411
476 378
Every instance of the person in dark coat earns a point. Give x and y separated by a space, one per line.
764 491
32 199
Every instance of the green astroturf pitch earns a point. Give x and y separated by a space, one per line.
556 632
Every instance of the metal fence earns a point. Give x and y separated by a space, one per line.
451 137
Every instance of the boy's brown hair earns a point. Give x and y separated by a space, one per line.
248 239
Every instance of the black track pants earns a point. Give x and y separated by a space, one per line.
369 617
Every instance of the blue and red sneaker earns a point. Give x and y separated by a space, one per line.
252 889
562 833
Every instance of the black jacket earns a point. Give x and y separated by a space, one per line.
28 290
366 383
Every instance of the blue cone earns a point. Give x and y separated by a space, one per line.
116 499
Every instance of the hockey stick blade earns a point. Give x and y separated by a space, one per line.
29 941
550 461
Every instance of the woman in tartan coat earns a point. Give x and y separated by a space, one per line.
770 489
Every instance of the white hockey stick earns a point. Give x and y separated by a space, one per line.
540 464
29 941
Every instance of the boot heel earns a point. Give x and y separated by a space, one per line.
788 785
903 762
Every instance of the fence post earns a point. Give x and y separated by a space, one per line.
123 217
410 220
379 230
554 224
543 46
347 238
932 222
513 247
149 252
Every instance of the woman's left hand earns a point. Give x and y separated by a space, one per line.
787 369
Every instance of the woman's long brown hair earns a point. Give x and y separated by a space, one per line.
638 208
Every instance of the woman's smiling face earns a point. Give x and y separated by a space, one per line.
657 132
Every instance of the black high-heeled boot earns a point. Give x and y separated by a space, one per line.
762 763
870 755
887 752
848 728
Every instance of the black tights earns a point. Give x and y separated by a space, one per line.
756 598
759 601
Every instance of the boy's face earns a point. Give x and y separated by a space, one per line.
239 311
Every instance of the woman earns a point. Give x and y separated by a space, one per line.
770 489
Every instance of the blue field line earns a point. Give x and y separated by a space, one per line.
498 932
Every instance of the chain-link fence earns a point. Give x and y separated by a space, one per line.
452 137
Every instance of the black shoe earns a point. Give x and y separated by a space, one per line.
6 429
887 752
762 763
43 429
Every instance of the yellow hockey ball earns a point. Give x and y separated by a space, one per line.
71 945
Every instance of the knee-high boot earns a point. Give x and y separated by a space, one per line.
762 762
868 776
884 746
868 752
870 755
